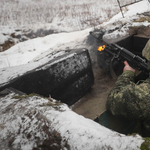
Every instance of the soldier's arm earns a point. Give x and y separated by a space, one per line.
122 98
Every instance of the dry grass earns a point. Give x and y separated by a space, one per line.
83 14
79 14
142 19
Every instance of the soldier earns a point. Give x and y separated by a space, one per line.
132 100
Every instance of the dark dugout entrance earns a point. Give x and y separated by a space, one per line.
134 43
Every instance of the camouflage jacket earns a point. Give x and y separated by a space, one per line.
130 100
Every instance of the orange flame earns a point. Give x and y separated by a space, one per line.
101 48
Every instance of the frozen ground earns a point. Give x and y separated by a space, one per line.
32 53
67 15
23 20
39 123
78 128
27 51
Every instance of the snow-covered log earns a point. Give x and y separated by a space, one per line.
32 122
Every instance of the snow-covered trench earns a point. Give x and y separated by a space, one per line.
29 122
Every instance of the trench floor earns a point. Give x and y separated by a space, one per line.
93 103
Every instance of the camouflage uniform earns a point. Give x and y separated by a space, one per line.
129 99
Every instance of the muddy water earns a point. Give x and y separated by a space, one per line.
93 103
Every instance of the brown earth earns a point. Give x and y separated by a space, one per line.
93 103
6 45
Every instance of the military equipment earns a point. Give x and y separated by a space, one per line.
121 54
